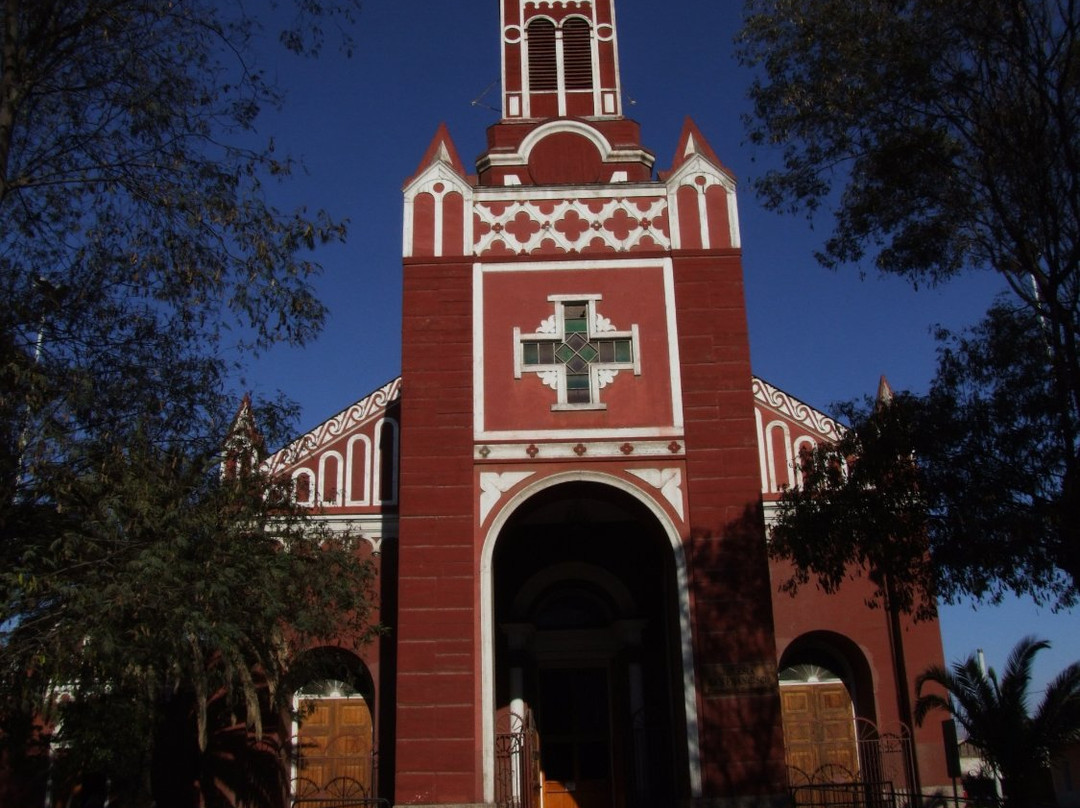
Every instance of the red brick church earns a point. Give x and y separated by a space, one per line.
567 491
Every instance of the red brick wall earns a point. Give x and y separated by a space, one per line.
741 736
846 613
438 746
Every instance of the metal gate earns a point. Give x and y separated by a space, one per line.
516 762
357 789
885 777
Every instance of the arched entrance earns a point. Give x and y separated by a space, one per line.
334 730
588 650
825 690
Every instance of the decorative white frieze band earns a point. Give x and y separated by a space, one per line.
620 225
668 482
796 410
550 4
331 430
493 486
371 529
576 450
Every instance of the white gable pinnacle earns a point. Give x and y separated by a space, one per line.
691 146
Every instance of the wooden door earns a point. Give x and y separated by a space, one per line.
819 732
336 741
575 738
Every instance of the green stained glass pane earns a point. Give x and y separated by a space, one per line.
577 388
576 326
530 353
623 353
588 353
564 353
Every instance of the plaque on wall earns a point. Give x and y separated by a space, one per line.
745 677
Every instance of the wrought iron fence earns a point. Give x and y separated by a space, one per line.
341 792
354 783
515 762
845 795
884 776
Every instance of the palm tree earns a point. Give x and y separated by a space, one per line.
1019 744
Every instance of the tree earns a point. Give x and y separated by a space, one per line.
996 464
859 510
176 621
140 258
952 494
946 136
995 716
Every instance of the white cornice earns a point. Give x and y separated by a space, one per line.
608 153
799 412
363 411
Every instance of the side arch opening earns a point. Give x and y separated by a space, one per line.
826 693
333 729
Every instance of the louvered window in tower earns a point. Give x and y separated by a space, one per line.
543 68
577 54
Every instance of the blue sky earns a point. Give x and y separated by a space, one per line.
361 126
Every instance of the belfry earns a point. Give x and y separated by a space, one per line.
567 490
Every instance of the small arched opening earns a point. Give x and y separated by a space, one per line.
826 690
333 729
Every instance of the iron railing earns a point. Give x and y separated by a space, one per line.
845 795
516 762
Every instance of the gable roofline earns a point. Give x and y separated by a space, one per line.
814 420
372 406
693 144
442 150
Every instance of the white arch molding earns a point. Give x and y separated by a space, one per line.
487 616
591 134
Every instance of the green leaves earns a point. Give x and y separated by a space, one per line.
136 237
997 718
861 510
945 137
175 582
963 492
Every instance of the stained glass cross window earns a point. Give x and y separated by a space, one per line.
576 352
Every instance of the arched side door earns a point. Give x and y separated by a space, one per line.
819 725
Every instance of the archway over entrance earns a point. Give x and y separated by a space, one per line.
588 644
826 690
333 735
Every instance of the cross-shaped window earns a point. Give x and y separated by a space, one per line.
576 352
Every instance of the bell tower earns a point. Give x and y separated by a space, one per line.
559 60
581 557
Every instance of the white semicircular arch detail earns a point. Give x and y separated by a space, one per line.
487 617
573 127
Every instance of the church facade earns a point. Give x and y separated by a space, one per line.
566 491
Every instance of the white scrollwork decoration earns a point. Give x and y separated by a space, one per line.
801 413
329 431
605 376
668 482
494 485
550 378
